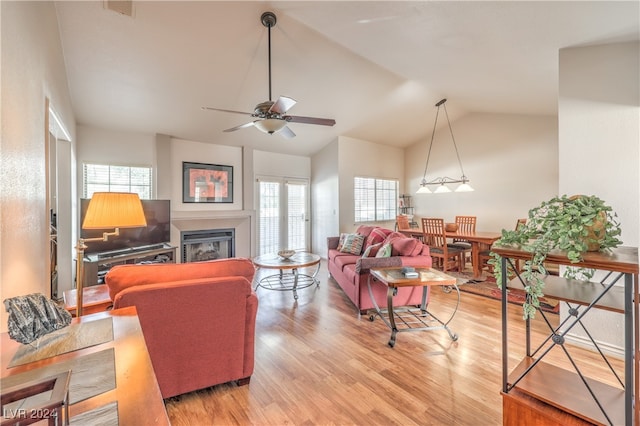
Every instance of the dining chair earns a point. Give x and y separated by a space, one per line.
485 254
446 258
466 225
402 222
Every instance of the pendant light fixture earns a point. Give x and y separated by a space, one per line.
442 182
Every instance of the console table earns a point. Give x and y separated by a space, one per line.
136 392
97 263
536 382
94 299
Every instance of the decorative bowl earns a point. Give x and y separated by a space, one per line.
451 227
286 254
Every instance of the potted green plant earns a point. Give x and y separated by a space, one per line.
573 225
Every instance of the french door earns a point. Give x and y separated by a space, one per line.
283 214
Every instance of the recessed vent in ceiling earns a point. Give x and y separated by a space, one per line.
123 7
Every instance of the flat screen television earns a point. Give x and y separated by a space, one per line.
157 231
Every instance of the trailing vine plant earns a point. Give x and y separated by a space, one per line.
573 225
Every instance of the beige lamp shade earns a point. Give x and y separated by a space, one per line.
114 210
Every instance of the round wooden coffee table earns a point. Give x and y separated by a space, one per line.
284 280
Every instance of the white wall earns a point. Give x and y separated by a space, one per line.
282 165
32 70
325 201
106 146
511 161
599 117
362 158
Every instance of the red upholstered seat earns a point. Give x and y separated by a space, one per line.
198 319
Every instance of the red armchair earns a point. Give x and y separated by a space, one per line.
198 319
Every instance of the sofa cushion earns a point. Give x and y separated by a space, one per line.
365 230
376 236
352 243
345 259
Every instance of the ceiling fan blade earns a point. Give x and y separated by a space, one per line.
310 120
242 126
287 133
282 105
226 110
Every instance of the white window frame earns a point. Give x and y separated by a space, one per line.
85 183
377 212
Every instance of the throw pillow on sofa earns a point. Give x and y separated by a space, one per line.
371 251
385 250
405 246
352 244
377 235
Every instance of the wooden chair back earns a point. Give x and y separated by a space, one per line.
466 224
402 222
434 235
433 232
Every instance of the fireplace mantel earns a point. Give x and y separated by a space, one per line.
181 215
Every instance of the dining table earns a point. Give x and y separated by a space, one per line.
476 239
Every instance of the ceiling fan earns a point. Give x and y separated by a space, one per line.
270 117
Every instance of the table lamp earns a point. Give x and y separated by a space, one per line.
106 210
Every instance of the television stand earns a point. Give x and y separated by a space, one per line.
96 265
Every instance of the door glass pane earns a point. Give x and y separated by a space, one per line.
269 225
296 215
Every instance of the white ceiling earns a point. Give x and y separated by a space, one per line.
377 68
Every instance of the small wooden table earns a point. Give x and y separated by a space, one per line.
412 319
137 394
95 298
288 282
474 238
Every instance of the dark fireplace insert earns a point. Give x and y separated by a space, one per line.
208 244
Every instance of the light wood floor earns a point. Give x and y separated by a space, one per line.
318 362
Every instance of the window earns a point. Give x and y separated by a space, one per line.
375 199
112 178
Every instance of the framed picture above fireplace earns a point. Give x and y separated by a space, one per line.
207 183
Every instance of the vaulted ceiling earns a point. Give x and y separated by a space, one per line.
377 68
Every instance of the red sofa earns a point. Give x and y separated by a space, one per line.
351 271
198 319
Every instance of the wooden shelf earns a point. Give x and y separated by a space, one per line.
620 259
582 292
564 390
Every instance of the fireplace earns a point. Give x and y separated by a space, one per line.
209 244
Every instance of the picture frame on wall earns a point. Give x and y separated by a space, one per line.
206 183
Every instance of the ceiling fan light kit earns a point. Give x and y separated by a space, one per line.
270 125
442 182
270 116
